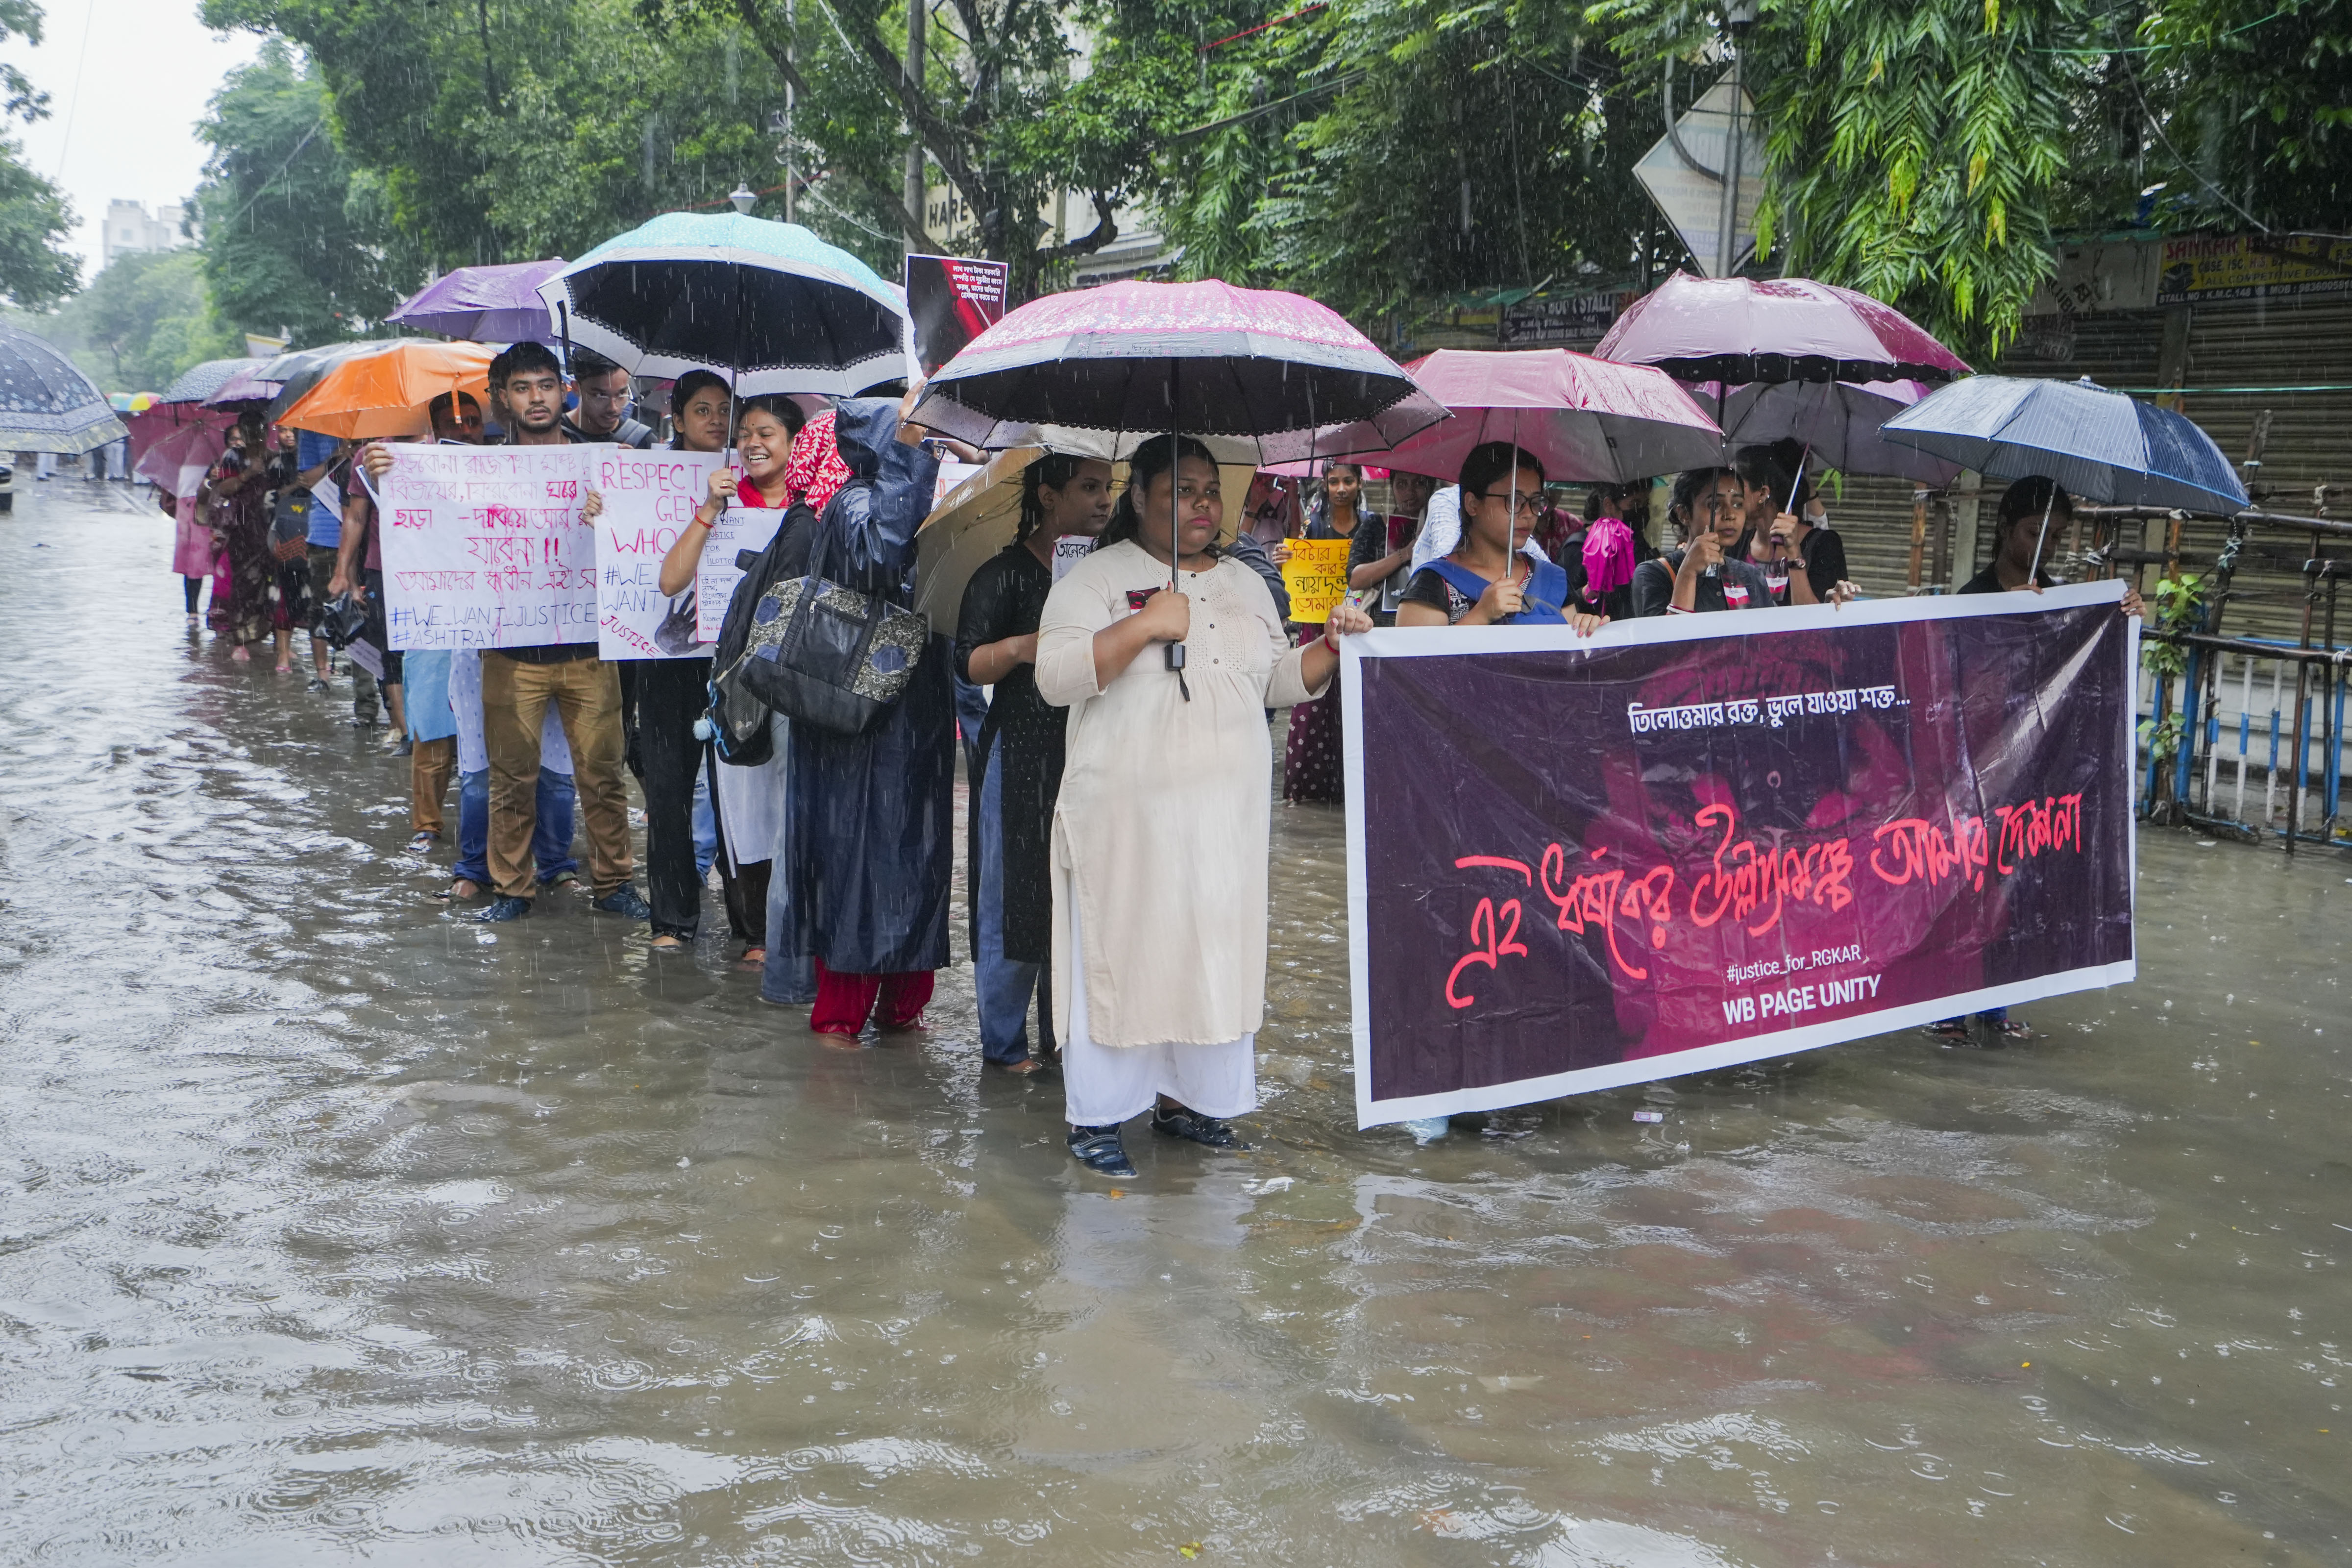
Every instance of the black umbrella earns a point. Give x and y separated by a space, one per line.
46 404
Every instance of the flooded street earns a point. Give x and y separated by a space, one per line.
333 1228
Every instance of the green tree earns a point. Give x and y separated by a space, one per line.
2249 112
143 320
289 239
36 221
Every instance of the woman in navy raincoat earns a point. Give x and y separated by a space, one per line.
870 832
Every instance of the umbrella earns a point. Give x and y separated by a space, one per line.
2102 445
1735 329
485 304
1838 420
200 382
769 302
244 390
1257 369
1582 419
385 394
178 461
1265 376
299 372
46 404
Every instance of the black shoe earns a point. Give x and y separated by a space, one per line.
623 900
1100 1150
501 910
1182 1122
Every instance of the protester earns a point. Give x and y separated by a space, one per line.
1379 556
316 457
1706 574
1777 487
1602 557
519 684
433 738
1489 578
662 698
815 470
1160 829
236 492
870 818
192 546
1311 763
1011 821
604 413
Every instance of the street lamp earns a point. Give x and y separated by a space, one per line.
744 197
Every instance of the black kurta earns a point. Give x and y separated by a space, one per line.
1022 735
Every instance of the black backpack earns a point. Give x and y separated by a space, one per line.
739 719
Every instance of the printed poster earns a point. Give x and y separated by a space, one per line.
485 546
1316 576
1700 840
649 498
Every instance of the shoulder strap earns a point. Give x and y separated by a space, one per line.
1460 578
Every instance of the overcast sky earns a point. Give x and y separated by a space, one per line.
122 107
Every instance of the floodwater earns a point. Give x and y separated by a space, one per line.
332 1229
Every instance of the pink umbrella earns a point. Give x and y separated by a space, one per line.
1736 329
1582 418
177 461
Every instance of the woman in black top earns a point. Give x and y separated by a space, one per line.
1707 574
1780 501
1380 555
1009 828
1630 505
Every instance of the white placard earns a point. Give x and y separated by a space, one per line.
483 546
741 528
649 498
1068 551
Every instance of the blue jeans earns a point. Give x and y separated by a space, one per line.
1005 985
706 823
550 837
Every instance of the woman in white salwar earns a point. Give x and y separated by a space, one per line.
1161 828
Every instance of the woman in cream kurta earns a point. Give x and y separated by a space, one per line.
1161 828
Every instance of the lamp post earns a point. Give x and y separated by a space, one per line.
744 197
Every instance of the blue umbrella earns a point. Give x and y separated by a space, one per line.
46 404
2100 445
769 302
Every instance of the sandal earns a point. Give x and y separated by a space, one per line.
1101 1151
1182 1122
423 843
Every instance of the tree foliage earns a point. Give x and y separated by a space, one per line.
142 322
292 240
35 220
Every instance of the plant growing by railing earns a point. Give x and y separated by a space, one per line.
2176 605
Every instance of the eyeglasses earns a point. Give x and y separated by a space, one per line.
1528 502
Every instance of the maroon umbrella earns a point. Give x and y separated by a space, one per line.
1736 329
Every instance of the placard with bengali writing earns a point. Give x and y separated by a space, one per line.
485 546
741 528
1700 840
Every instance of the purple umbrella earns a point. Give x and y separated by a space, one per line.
485 304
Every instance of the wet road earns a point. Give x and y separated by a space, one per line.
332 1229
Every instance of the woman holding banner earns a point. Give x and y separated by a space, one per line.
1311 769
1710 572
1490 579
1019 748
1160 829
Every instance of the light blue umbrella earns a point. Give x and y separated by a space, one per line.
2102 445
769 302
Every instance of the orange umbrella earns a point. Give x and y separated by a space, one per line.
386 394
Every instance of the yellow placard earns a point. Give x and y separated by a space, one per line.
1316 576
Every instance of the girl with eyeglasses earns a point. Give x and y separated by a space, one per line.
1490 579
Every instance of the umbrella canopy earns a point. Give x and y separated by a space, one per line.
2102 445
769 302
385 394
1838 420
200 382
1582 419
299 372
485 304
1734 329
177 462
1264 372
46 404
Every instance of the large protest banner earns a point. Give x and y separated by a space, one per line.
484 547
1700 840
649 498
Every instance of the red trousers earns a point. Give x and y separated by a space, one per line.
844 1001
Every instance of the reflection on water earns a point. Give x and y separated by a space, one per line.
330 1227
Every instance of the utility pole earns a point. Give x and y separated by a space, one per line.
917 12
792 40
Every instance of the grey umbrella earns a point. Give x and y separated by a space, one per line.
46 404
200 382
